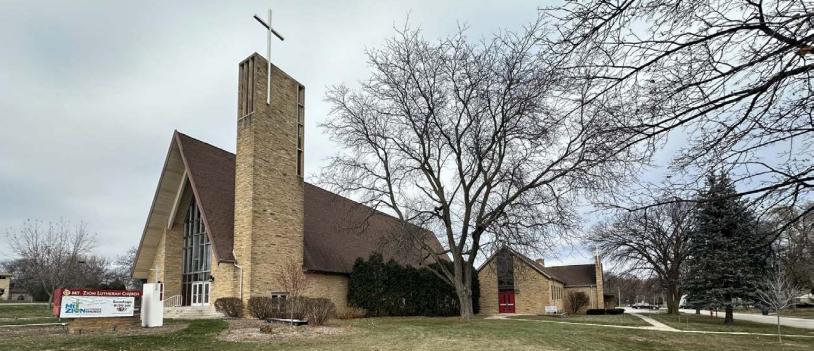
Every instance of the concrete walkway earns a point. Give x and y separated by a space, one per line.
658 325
759 318
655 325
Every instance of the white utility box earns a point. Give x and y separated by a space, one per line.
152 305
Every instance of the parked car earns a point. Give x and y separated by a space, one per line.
804 305
644 306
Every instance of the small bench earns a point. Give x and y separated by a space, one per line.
296 322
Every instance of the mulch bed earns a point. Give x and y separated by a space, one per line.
248 330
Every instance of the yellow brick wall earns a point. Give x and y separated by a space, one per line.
600 284
487 277
173 254
113 324
169 253
158 260
226 280
532 289
268 193
331 286
558 300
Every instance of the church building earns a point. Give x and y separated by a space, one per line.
223 224
511 282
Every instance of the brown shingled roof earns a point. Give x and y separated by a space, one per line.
581 274
574 275
337 230
211 172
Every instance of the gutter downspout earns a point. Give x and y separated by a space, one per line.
240 286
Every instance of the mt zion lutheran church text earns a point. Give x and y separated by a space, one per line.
222 224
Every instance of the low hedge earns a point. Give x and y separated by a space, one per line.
602 311
317 311
262 307
229 306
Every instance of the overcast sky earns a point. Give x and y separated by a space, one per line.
91 91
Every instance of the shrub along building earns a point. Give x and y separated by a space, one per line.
222 224
513 283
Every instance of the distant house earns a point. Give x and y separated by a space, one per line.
513 283
11 291
807 298
5 285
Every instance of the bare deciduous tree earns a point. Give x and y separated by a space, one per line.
650 240
122 266
577 300
794 247
733 78
468 139
777 292
52 252
291 278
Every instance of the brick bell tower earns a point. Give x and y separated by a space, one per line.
268 176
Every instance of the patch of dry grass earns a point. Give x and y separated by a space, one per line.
417 333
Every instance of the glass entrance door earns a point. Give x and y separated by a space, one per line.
200 293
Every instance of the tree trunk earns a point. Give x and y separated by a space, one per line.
463 284
730 318
673 299
50 302
697 311
464 296
779 337
467 312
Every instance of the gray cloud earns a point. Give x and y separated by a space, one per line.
90 91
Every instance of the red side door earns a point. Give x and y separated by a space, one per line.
506 302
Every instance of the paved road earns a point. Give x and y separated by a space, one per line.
759 318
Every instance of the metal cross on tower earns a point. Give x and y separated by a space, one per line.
268 53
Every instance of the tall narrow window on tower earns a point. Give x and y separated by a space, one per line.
247 83
300 128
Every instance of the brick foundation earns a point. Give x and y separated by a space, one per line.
95 325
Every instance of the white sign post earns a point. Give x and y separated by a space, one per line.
152 305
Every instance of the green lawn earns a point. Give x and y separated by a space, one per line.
419 334
791 312
619 319
24 311
798 313
707 323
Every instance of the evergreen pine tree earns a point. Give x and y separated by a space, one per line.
728 253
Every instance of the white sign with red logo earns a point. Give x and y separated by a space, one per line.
86 304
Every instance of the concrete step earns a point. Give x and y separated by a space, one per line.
197 312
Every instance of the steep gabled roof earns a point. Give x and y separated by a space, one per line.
574 275
212 175
337 230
